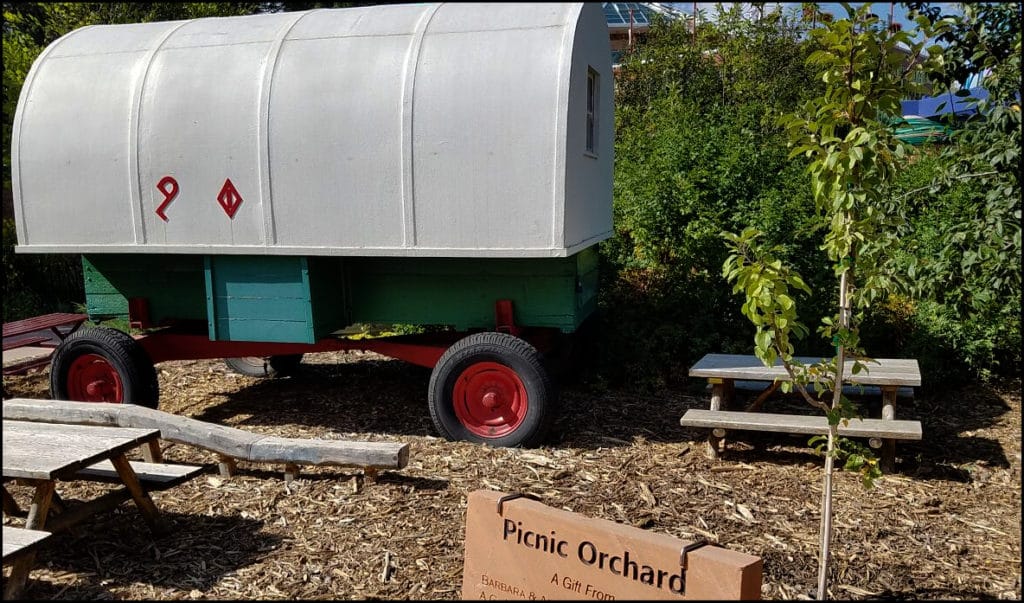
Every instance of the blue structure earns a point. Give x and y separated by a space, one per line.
943 104
927 119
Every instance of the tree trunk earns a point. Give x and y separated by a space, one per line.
833 433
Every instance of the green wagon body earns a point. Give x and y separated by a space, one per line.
299 299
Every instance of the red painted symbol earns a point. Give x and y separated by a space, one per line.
229 198
169 187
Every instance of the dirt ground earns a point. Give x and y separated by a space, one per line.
945 525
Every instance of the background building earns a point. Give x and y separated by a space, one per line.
629 22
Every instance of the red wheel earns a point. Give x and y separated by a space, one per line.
103 365
92 379
492 388
490 399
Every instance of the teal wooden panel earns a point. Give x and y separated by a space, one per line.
291 309
246 329
258 298
261 288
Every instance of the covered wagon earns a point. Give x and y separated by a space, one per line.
249 187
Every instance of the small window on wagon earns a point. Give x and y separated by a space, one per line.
593 91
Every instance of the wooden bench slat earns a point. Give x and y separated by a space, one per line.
848 390
22 341
154 476
810 425
21 540
18 368
46 321
881 371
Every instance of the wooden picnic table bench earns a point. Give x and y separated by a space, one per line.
60 324
46 331
892 376
22 341
18 541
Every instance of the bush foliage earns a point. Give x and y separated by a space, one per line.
37 284
698 152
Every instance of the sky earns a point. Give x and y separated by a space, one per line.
879 8
882 10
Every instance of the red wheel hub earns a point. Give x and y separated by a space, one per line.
490 399
92 379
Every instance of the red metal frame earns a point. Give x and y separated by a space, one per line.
182 343
421 350
138 313
504 317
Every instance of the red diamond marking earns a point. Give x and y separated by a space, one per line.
229 198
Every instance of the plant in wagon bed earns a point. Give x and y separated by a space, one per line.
854 159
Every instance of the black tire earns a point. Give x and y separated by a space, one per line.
505 355
265 366
111 353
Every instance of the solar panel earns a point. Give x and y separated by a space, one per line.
611 14
618 13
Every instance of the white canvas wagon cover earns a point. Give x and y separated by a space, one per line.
478 130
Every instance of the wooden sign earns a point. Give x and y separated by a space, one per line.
518 548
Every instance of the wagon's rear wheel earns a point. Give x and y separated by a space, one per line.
265 366
103 365
492 388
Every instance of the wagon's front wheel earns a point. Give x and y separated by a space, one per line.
103 365
492 388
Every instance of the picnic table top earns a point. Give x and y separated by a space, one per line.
46 321
878 371
53 450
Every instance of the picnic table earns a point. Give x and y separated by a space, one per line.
41 454
724 372
46 331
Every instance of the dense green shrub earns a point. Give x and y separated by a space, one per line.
965 322
698 152
37 284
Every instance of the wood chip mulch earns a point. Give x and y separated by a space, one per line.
945 525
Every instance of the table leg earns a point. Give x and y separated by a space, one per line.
151 452
722 391
226 465
36 521
10 505
888 451
139 495
764 395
